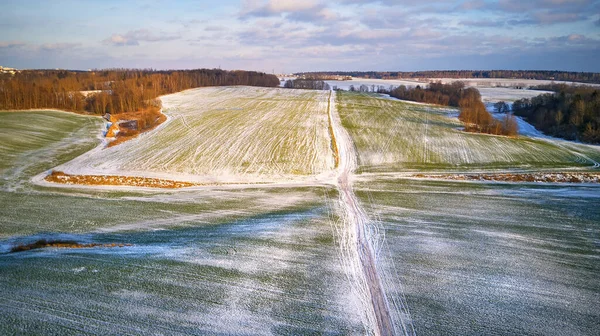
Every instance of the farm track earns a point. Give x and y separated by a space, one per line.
369 282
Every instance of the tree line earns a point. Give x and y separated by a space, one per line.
472 110
113 90
584 77
572 112
307 84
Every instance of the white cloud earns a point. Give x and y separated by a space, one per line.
11 44
134 37
308 10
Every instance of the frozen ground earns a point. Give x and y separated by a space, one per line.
503 82
490 259
462 257
502 87
35 141
508 95
204 261
491 90
393 136
225 134
272 273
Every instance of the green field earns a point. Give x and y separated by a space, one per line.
481 259
226 134
459 257
395 136
32 142
202 261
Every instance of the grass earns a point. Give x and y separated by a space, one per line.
478 258
227 132
32 142
470 257
201 261
395 136
270 273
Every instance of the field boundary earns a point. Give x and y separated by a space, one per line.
334 146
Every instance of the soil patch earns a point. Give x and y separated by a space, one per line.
60 177
43 243
519 177
126 126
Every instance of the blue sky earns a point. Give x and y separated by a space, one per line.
310 35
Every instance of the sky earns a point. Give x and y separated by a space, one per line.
288 36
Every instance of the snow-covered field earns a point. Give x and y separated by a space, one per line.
216 260
496 85
225 134
508 95
504 82
38 140
489 259
492 90
361 249
395 136
386 83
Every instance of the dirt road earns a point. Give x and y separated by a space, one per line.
359 239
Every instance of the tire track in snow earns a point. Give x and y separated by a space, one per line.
358 239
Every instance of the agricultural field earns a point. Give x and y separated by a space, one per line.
394 136
261 260
508 95
225 134
306 218
473 258
36 141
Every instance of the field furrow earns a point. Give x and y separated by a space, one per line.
393 136
223 135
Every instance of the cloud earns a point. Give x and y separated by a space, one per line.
59 46
120 40
301 11
552 18
134 37
473 5
566 5
482 23
316 15
572 40
44 47
277 32
11 44
379 34
278 7
214 28
396 3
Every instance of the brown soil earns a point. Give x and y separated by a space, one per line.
42 243
519 177
147 120
60 177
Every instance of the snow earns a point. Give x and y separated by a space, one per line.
496 94
359 246
393 139
225 135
